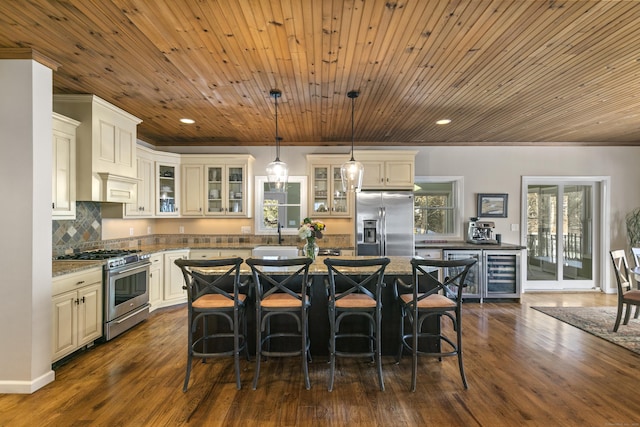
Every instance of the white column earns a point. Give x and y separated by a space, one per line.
25 263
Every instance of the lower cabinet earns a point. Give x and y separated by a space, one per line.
77 311
173 278
214 253
156 281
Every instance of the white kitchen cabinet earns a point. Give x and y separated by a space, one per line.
327 197
192 190
242 253
156 280
144 205
105 148
64 167
217 185
77 311
173 278
387 169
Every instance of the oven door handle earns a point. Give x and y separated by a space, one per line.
133 313
127 270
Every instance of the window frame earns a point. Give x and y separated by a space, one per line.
458 207
260 181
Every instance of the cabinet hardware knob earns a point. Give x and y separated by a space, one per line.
77 301
80 282
82 300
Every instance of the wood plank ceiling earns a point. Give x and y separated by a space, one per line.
506 72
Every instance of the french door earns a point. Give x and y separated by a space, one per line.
562 232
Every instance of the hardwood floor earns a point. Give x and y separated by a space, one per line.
523 367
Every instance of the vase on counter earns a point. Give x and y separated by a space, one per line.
311 248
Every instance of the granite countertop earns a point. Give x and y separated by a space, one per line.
72 266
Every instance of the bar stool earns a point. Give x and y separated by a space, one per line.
214 293
282 291
429 297
355 292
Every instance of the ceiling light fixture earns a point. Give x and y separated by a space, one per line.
352 171
443 121
187 121
277 171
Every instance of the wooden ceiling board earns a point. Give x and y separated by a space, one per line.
507 72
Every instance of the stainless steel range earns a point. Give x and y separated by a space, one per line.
126 287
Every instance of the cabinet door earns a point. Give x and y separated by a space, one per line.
65 325
236 180
373 177
340 205
173 278
155 280
320 186
192 190
144 205
398 174
63 178
89 313
167 189
215 190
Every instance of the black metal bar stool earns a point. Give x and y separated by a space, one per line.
214 291
429 297
355 293
282 293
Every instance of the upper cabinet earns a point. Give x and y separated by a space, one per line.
327 197
144 205
64 167
217 185
387 169
105 148
167 187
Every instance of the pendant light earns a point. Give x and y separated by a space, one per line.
277 171
352 171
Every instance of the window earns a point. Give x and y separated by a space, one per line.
287 208
438 207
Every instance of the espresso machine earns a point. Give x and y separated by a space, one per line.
481 232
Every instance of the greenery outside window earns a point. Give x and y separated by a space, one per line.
438 208
287 208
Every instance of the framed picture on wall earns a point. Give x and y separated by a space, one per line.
492 205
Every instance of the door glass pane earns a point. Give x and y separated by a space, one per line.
542 208
577 233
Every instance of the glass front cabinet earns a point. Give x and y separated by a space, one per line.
167 188
226 190
327 197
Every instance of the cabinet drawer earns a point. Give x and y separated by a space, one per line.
73 281
429 253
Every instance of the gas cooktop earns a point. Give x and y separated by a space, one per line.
98 255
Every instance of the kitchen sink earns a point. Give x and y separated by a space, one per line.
275 251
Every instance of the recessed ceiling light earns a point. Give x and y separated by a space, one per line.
188 121
443 121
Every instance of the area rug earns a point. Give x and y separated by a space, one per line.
599 321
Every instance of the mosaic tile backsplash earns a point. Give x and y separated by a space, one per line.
85 230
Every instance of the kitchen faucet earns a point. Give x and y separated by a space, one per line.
279 233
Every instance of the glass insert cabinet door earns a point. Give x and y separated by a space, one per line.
225 190
167 189
329 198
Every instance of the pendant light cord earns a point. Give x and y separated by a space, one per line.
276 95
353 95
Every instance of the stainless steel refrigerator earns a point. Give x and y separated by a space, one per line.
384 223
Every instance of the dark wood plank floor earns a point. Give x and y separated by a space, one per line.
523 367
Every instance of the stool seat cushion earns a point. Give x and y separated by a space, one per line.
355 301
633 295
432 301
280 300
215 301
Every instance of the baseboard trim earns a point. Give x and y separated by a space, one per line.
27 387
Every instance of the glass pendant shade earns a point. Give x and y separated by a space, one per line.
277 175
277 171
352 171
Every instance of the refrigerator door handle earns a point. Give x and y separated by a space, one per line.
383 230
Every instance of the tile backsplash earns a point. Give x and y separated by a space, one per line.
83 232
